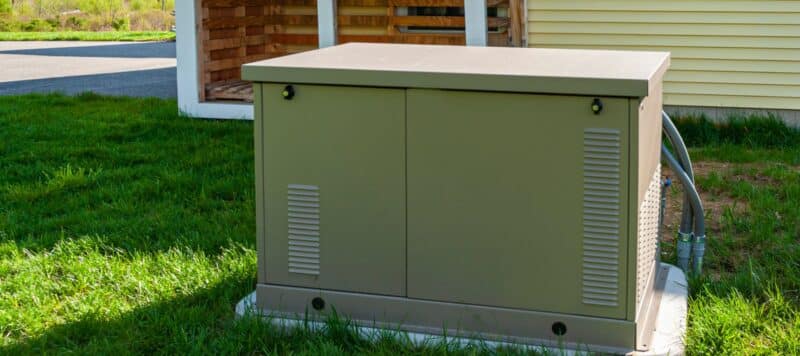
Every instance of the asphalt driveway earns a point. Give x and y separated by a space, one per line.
112 68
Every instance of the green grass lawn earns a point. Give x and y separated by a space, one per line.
89 36
126 228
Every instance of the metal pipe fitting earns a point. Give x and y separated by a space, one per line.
684 250
698 250
694 200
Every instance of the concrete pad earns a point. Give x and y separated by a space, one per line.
670 327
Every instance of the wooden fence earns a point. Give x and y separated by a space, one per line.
234 32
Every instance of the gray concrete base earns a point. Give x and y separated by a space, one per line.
670 326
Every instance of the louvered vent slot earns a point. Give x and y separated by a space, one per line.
648 235
601 216
304 229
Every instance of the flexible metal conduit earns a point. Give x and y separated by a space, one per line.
685 235
676 140
693 217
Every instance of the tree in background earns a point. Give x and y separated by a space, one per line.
86 15
5 6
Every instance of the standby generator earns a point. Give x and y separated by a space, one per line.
506 194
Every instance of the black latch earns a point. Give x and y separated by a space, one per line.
288 92
597 106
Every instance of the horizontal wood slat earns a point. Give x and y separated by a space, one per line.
402 3
283 20
363 20
497 39
235 3
442 3
363 3
284 38
441 21
238 90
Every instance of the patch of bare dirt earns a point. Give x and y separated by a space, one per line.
714 202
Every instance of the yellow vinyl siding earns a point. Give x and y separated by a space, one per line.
724 52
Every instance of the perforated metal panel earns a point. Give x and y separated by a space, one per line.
601 216
303 215
648 235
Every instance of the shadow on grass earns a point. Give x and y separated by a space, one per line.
201 322
131 170
204 323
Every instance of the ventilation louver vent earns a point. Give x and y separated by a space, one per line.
648 235
601 216
304 229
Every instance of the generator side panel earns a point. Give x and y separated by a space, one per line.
518 201
258 147
646 125
647 118
334 187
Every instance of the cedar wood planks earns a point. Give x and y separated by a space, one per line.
234 32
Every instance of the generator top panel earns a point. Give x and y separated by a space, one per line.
526 70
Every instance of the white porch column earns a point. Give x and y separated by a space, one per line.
326 22
475 18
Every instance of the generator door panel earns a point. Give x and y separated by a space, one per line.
518 200
334 181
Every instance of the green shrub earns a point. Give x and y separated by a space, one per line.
97 23
121 24
8 25
769 132
5 6
137 5
151 20
75 23
91 15
54 22
37 25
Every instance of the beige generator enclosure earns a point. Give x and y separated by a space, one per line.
432 188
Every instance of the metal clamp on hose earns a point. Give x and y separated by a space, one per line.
684 250
698 250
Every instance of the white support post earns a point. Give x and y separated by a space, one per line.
477 30
187 22
186 53
326 22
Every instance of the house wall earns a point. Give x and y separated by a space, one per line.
725 53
